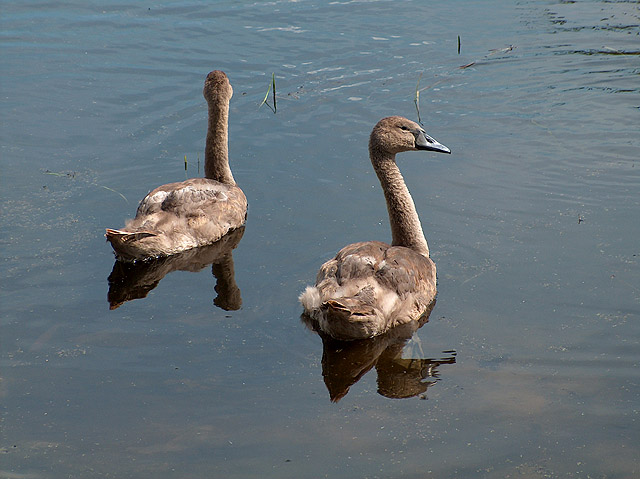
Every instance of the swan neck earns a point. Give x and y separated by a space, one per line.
216 153
229 297
406 229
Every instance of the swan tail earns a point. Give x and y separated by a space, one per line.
120 236
310 299
347 309
127 245
349 319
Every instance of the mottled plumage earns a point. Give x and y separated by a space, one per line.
179 216
371 287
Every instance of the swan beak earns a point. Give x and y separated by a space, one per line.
425 142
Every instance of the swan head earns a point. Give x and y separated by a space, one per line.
395 134
217 87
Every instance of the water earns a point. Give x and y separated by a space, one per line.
528 365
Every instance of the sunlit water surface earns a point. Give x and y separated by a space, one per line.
528 365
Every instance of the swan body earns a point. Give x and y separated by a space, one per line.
371 287
179 216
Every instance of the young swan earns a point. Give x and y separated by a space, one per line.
196 212
370 287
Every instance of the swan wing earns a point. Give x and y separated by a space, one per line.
407 272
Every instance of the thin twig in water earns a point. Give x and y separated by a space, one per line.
416 98
273 81
111 189
272 87
493 51
442 80
264 101
68 175
72 175
185 167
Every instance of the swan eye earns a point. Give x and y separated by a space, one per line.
404 128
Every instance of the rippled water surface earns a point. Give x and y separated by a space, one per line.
528 365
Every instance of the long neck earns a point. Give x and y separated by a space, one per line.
229 297
406 229
216 153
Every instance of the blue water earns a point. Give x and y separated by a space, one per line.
528 365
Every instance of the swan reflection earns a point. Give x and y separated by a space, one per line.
344 363
129 281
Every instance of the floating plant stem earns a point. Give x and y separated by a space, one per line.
500 50
72 175
111 189
68 175
442 79
273 81
416 98
185 166
493 51
272 87
264 102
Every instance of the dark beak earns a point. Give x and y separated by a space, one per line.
425 142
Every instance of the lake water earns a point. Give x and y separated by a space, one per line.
528 366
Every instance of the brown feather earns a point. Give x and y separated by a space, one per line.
371 287
179 216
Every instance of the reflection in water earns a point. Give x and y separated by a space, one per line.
345 362
129 281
